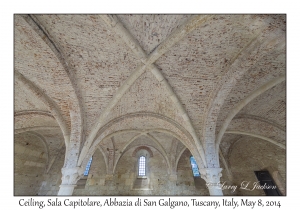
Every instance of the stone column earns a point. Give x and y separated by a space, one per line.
69 178
212 178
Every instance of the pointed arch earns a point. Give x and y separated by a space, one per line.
243 103
181 133
48 102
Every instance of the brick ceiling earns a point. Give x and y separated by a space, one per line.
163 77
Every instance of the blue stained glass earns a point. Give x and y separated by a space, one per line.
194 167
87 168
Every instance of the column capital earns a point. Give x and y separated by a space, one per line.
211 174
70 170
70 176
212 178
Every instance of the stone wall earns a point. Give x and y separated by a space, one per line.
31 178
246 156
125 181
30 160
250 154
52 180
186 183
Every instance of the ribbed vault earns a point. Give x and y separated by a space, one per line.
106 85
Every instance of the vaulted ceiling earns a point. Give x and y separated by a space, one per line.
166 81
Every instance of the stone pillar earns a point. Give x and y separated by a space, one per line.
212 178
69 178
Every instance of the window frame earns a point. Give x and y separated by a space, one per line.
142 153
